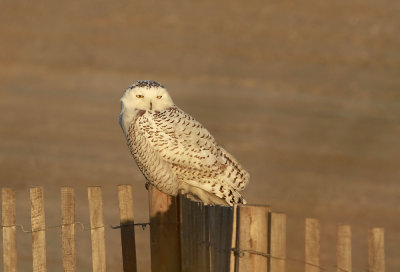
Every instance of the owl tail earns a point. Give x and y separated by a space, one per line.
212 193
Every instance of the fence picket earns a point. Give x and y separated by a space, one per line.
38 230
343 248
8 220
97 229
212 220
253 238
194 237
277 242
225 230
233 238
68 229
376 250
184 231
216 243
207 231
202 255
128 245
312 245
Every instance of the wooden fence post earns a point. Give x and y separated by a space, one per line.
185 227
195 256
376 250
252 230
221 221
234 233
164 232
68 229
212 217
97 229
202 235
312 245
343 248
126 216
8 220
38 230
277 242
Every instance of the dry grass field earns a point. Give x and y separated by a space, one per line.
305 94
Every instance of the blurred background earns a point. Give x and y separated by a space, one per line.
305 94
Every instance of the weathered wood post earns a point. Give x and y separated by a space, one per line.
185 228
68 229
221 221
252 238
125 201
312 245
38 230
194 236
277 242
8 220
164 232
376 249
202 236
233 242
343 248
97 229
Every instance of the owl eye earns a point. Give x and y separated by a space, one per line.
139 96
159 96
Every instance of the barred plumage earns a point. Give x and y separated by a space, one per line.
176 153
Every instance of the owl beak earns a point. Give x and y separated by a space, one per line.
151 106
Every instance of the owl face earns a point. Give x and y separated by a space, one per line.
147 97
144 95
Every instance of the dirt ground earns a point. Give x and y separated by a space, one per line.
305 94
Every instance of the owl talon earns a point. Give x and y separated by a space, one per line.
147 185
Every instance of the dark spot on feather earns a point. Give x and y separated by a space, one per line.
145 83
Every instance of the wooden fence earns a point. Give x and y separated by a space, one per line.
185 235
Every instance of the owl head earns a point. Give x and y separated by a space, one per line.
146 95
143 95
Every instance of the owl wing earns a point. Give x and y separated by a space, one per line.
191 150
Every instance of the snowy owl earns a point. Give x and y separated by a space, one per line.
175 153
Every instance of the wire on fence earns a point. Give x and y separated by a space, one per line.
237 252
83 227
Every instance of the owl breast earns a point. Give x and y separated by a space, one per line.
148 160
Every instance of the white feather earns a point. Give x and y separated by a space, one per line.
174 151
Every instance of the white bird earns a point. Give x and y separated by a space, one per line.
175 152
